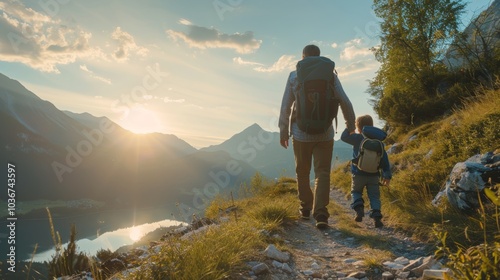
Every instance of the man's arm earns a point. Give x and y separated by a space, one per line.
286 110
345 105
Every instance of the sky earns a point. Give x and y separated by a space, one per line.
201 70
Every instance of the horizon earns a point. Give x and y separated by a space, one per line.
201 74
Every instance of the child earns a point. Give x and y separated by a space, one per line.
362 179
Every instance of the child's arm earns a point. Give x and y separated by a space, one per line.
348 137
386 170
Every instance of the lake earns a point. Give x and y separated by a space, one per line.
112 226
111 240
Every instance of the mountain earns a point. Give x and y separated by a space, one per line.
36 116
262 150
481 35
65 156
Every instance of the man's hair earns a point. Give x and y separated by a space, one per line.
362 121
310 50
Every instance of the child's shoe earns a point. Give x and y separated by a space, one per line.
377 217
360 213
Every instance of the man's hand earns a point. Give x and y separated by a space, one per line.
284 143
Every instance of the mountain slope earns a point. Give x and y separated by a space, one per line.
63 155
262 150
36 115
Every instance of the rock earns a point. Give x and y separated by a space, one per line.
350 260
393 265
403 274
286 268
315 266
413 264
436 274
386 275
396 148
469 177
260 268
357 275
308 272
277 264
427 263
275 254
402 260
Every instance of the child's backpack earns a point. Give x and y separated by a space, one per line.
371 149
315 105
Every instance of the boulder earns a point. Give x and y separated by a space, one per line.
469 178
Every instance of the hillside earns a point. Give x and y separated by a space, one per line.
239 235
261 149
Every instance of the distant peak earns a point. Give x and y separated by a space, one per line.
254 126
15 87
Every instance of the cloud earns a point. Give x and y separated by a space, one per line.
358 67
203 38
285 62
92 75
354 49
39 41
184 21
334 45
240 61
126 45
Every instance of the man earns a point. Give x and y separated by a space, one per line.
308 148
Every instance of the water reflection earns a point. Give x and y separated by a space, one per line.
111 240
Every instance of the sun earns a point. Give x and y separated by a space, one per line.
141 120
135 233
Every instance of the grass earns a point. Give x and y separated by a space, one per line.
470 243
421 169
221 250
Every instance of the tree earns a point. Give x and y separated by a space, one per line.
414 38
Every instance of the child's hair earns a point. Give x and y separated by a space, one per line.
362 121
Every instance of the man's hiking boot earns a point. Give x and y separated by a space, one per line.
360 213
305 214
378 222
321 222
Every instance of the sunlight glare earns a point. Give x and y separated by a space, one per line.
135 233
141 120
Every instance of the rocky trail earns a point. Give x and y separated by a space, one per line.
301 251
335 254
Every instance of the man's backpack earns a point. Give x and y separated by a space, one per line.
316 105
371 149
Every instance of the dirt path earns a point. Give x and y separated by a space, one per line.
334 252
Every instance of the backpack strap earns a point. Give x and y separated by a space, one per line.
331 87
